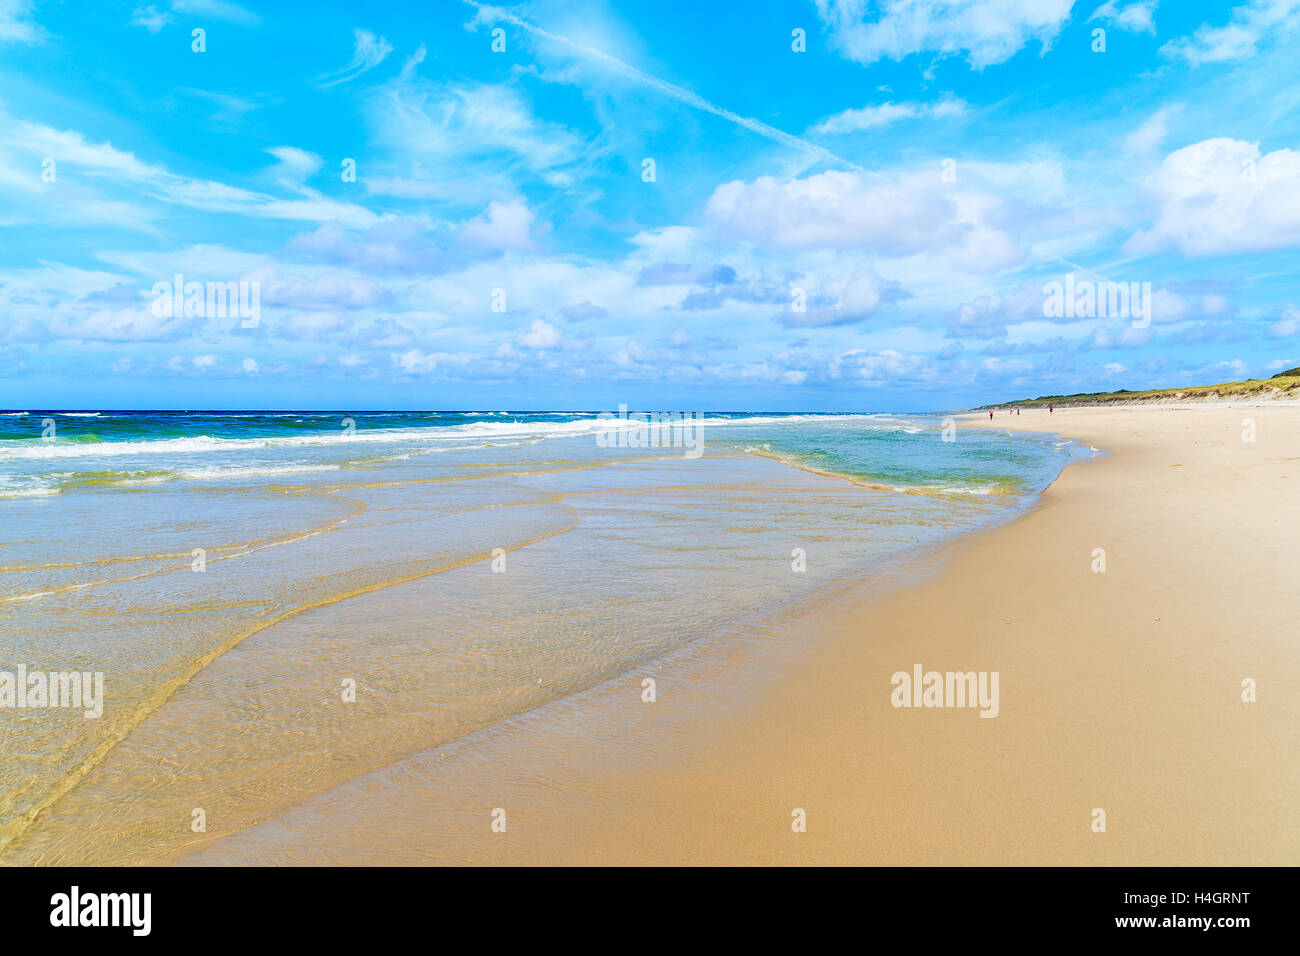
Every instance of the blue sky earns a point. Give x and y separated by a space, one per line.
866 224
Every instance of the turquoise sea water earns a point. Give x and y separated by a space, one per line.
44 452
229 572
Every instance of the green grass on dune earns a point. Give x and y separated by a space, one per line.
1283 385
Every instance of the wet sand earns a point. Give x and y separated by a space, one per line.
1119 690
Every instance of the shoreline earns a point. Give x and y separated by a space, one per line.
1119 690
276 685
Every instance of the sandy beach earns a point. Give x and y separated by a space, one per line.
1120 690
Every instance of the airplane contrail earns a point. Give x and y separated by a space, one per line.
673 90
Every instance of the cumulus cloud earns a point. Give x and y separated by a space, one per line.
1120 337
888 366
835 210
582 311
843 301
134 324
831 209
383 333
391 247
541 335
505 226
329 290
1221 196
681 273
1286 326
310 326
989 315
415 362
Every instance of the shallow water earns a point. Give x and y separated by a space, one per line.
229 573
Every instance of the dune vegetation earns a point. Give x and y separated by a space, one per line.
1282 386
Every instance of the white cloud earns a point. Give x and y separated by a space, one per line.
295 164
1238 38
16 24
504 226
1221 196
871 117
1138 17
464 142
492 14
541 335
844 301
310 326
1120 337
1287 326
329 290
1148 137
835 210
150 17
132 324
222 10
831 209
368 52
117 168
987 31
415 362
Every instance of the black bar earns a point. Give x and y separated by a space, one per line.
976 906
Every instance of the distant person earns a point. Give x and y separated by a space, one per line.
1050 409
990 414
1017 413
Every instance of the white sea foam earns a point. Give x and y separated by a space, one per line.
36 491
268 471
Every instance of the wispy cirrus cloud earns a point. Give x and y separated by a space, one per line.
1137 17
222 10
986 31
884 114
16 23
150 18
369 50
142 182
488 13
464 142
1248 26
